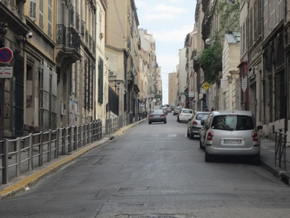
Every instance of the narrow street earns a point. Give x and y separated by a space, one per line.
153 171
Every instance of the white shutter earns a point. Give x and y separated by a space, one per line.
32 12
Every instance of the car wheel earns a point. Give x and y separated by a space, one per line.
191 135
188 133
149 122
200 144
256 159
165 121
207 157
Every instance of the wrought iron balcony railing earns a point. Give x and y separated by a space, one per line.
68 36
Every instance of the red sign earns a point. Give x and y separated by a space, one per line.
6 55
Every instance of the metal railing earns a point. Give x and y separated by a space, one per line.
31 151
114 124
280 149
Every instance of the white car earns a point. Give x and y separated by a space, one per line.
230 133
185 115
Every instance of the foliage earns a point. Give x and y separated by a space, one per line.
211 61
229 15
211 58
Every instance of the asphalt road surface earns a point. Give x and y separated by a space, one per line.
153 171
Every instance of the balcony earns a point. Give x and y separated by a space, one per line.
68 44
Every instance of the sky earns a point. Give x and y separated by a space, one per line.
169 21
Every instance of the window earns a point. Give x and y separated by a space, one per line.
89 84
233 122
47 93
266 13
280 95
100 81
41 14
49 31
72 14
32 12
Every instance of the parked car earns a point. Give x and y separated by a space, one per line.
177 110
164 110
157 116
168 109
194 125
231 133
185 115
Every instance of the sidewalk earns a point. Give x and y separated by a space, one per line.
22 183
268 160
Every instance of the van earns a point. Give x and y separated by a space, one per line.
230 133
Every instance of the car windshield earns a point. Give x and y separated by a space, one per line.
232 122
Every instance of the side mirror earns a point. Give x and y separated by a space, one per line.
259 127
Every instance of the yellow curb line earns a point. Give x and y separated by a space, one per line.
33 178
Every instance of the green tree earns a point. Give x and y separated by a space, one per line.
211 57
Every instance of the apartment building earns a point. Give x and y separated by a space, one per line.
172 84
122 48
53 83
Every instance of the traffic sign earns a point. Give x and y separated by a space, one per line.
206 86
6 55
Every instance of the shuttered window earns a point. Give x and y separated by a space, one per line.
272 15
32 10
266 18
100 81
260 18
49 18
281 8
41 14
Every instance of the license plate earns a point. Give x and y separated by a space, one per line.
233 141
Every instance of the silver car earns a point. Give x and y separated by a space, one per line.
157 116
230 133
194 125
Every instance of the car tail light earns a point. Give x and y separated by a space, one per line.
210 135
255 136
162 115
194 122
151 115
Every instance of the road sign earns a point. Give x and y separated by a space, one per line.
6 55
6 72
206 86
244 83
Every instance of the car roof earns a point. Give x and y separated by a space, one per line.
186 109
202 112
239 112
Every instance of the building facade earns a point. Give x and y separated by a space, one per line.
122 48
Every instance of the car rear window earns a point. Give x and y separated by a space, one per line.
201 116
157 112
233 122
187 111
